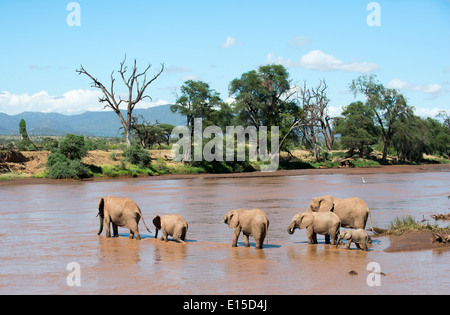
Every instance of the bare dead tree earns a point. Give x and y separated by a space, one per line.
315 119
321 113
135 82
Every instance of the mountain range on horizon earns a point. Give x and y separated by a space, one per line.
102 124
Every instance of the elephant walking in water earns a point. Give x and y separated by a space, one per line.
251 222
353 212
171 224
122 212
324 223
359 237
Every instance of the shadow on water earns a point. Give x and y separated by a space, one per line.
145 236
242 244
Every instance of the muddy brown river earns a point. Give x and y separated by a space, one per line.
47 229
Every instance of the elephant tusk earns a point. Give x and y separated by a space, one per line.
223 221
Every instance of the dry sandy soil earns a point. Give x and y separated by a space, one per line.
415 241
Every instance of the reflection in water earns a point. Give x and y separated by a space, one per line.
45 227
118 251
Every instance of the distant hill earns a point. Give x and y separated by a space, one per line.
104 124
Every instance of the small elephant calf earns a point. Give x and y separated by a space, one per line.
171 224
358 236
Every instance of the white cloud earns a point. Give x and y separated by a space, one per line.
230 42
189 77
320 61
424 88
71 102
428 112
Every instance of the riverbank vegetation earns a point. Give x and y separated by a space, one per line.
408 224
380 129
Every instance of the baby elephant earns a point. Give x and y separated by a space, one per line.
359 237
173 225
324 223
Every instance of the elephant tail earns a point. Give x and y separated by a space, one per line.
142 217
370 222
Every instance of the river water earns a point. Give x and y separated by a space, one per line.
46 227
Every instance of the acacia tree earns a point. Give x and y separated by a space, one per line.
197 100
387 105
357 129
135 83
265 97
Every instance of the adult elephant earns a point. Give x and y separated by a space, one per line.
353 212
122 212
251 222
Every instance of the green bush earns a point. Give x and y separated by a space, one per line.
73 146
61 167
136 155
54 158
69 169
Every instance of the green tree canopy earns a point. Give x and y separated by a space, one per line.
197 100
357 129
411 138
73 147
263 96
388 105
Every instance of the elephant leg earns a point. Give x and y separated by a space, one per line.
315 238
107 226
357 245
312 237
327 239
333 236
246 240
178 236
134 231
165 236
178 239
259 240
236 233
115 230
349 242
183 235
365 246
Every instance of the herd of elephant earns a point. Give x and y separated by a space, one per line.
325 216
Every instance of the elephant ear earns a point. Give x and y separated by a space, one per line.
306 220
101 207
326 203
157 222
233 218
347 235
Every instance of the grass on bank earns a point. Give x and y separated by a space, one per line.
408 224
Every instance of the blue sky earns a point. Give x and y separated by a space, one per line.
217 41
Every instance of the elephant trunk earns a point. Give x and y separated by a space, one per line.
291 228
338 241
101 225
101 214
